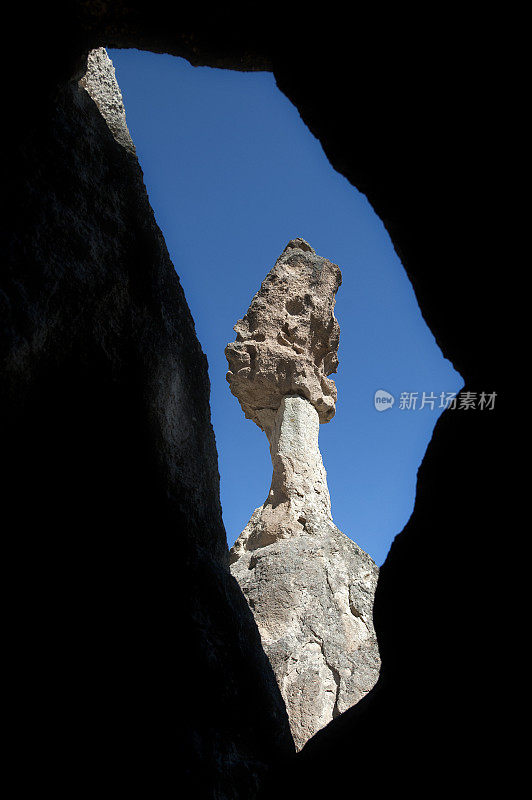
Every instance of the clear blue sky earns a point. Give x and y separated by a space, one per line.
233 174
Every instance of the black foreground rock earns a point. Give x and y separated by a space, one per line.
135 650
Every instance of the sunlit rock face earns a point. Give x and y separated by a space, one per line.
312 597
288 340
310 587
100 83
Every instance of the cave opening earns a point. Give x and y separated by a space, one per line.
233 174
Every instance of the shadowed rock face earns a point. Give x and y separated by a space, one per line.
288 340
133 649
310 587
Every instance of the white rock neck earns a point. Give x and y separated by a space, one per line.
298 501
298 493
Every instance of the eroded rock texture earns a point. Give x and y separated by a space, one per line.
100 82
288 340
312 597
310 587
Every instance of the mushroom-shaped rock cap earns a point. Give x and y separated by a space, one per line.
287 342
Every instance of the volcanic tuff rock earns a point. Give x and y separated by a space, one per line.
312 597
310 587
100 82
288 340
298 499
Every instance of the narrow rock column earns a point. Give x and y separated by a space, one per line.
309 586
299 482
298 499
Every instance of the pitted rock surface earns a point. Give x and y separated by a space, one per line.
288 340
100 82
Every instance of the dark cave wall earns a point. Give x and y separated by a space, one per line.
408 119
133 651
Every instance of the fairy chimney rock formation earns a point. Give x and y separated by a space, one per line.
309 586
